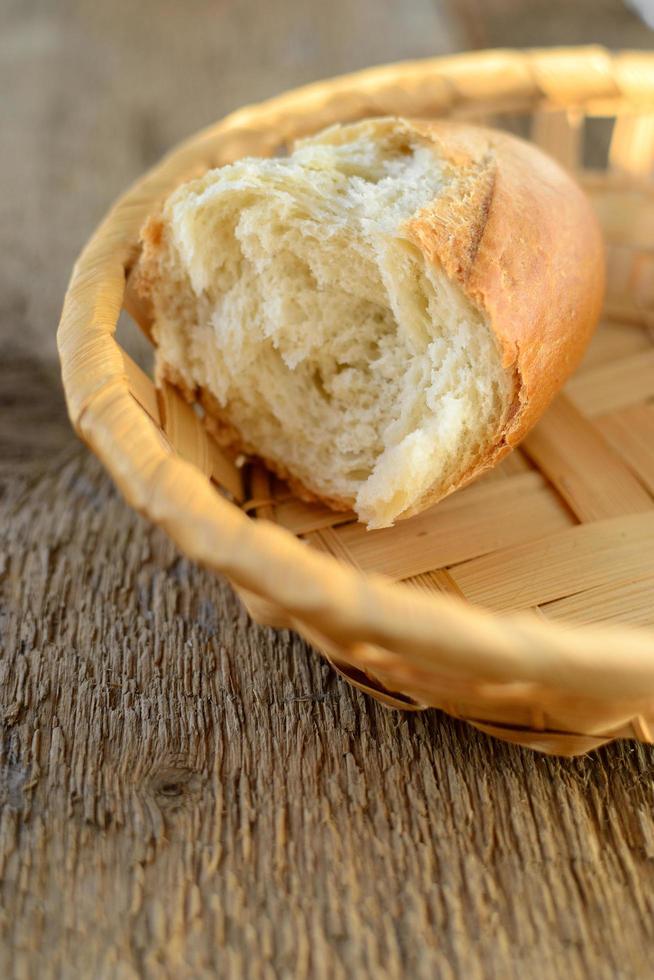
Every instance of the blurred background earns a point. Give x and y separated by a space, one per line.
94 92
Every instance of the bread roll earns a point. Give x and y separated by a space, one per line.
381 315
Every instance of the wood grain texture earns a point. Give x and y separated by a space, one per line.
511 512
187 794
183 793
582 466
614 551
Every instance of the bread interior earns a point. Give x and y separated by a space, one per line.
289 290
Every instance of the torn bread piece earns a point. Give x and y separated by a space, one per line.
381 315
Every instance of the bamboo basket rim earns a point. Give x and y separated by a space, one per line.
366 621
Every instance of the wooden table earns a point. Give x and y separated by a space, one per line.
185 794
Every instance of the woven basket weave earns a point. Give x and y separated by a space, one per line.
557 543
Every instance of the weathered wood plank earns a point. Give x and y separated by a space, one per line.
188 794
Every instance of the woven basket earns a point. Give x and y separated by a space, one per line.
557 543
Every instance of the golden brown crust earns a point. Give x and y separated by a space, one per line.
522 241
515 232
